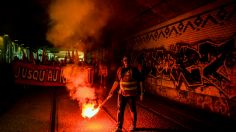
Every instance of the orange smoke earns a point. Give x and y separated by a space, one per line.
80 89
72 21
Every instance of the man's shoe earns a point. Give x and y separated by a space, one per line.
118 130
132 128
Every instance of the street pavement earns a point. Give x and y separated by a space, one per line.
50 109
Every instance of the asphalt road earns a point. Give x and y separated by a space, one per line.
47 109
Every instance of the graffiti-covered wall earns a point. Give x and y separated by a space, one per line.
192 58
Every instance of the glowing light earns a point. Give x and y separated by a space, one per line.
1 41
89 111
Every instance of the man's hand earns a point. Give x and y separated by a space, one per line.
114 86
110 94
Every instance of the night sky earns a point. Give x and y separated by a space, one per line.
25 20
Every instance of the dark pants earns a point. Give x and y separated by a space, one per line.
122 101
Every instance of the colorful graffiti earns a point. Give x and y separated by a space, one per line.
205 68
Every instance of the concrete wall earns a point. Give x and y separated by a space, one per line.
192 58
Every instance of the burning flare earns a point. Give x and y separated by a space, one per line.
88 110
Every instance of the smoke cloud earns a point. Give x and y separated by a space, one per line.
73 22
78 85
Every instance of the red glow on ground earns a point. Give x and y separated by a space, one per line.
98 124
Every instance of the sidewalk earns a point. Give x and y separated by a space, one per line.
190 117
